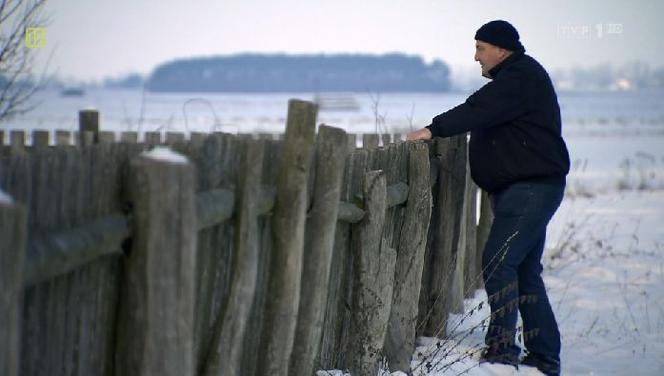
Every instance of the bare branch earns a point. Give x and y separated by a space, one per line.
17 80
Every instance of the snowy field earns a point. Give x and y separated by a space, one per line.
604 270
604 263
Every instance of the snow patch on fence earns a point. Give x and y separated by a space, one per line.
5 198
165 154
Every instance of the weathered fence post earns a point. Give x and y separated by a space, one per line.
155 333
152 138
62 137
483 228
226 349
370 140
106 137
129 137
455 292
440 265
88 121
334 348
472 274
12 252
40 138
385 138
288 222
331 152
174 137
374 278
400 340
17 140
352 142
197 138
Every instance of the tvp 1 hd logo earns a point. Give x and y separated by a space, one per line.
35 37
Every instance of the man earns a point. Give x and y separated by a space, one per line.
518 156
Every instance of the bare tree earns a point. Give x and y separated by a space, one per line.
18 81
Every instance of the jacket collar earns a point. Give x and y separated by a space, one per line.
510 59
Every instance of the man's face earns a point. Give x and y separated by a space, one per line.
489 56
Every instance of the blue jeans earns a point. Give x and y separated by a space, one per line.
512 268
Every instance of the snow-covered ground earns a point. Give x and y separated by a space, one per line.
604 270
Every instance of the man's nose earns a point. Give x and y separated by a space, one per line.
476 58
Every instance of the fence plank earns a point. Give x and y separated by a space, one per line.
40 138
370 140
92 290
440 258
129 137
455 292
386 138
155 334
374 276
334 344
472 274
41 332
88 121
17 139
483 228
12 250
106 137
152 138
197 138
288 240
352 142
216 160
251 347
321 224
226 348
400 340
174 137
62 137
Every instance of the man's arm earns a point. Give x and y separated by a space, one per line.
497 102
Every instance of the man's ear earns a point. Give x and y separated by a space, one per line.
504 54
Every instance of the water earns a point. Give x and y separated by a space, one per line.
612 136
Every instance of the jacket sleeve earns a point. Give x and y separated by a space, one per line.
497 102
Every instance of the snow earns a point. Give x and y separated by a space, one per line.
605 287
162 153
5 198
604 268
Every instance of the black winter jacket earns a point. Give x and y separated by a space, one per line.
515 126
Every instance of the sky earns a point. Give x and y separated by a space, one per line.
92 39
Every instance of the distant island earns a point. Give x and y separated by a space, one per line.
301 73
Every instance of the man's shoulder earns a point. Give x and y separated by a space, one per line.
528 66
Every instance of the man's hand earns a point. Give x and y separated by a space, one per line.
422 134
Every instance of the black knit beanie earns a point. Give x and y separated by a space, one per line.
500 33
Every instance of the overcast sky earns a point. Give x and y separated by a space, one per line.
91 39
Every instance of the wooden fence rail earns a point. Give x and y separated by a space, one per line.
230 255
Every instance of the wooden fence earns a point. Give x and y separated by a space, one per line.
230 254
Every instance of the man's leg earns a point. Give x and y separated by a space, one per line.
506 246
540 329
521 213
